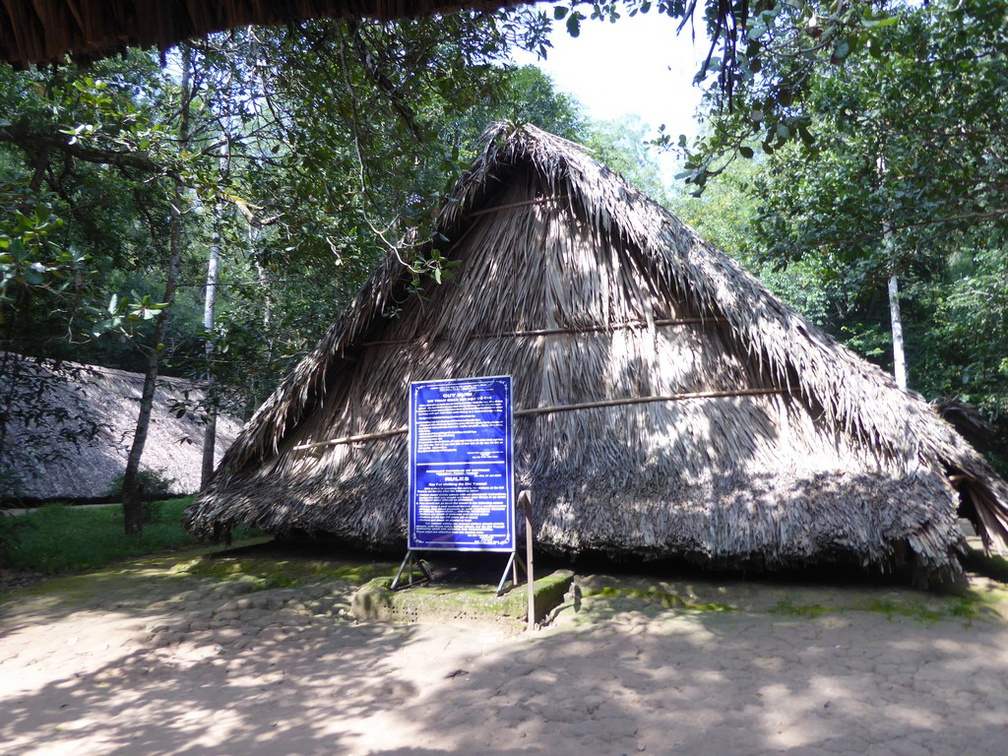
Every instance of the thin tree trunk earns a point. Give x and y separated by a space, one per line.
209 323
10 369
267 318
899 356
131 494
209 305
209 442
895 319
267 302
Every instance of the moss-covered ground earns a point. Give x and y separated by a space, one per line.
261 565
276 569
477 602
611 595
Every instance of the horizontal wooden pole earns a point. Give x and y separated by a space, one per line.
514 205
559 408
352 439
646 400
574 331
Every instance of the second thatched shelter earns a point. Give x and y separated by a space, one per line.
667 404
67 429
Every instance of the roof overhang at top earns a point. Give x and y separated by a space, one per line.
43 31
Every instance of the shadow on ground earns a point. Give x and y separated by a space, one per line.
164 658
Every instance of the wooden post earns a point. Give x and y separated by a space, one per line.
525 500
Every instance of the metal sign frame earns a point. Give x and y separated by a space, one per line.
461 465
461 446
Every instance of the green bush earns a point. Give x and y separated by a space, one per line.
60 538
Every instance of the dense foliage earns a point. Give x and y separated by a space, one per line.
59 538
900 170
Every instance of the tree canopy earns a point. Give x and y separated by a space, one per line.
881 181
294 157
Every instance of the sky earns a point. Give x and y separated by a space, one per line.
636 66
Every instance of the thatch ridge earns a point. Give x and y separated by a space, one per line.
43 31
849 397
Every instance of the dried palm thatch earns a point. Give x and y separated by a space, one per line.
43 31
666 402
69 428
968 421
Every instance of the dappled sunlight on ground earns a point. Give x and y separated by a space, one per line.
202 665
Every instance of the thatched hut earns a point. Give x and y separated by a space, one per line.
68 429
667 404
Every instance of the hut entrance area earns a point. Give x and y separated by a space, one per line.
152 659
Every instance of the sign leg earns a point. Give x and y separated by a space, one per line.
407 558
504 577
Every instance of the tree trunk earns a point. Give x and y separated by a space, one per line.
267 318
132 496
10 369
209 444
209 309
895 320
899 357
209 305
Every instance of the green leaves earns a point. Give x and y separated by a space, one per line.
435 266
762 73
841 49
574 24
29 259
910 141
125 312
878 22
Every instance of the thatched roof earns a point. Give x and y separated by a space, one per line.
70 428
43 31
667 404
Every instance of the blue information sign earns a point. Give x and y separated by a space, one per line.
461 473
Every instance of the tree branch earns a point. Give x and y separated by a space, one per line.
381 81
35 143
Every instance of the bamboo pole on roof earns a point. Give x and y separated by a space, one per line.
363 437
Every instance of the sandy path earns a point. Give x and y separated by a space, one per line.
143 665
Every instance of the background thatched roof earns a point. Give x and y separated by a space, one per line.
724 426
72 426
42 31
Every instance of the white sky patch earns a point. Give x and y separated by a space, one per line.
636 66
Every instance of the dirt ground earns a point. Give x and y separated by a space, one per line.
153 659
